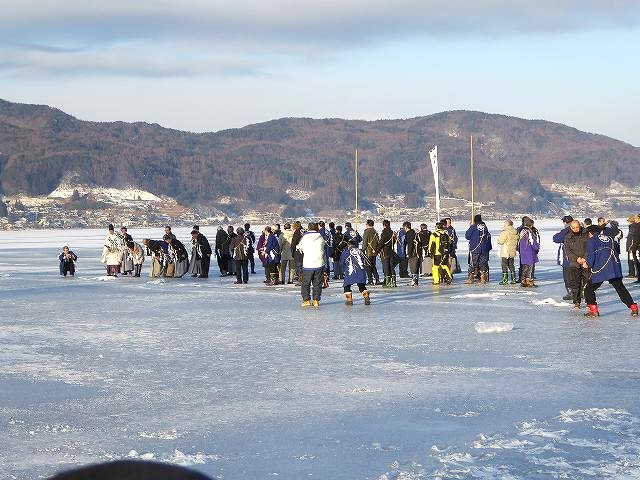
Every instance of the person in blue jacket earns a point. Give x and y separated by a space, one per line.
271 256
479 248
561 258
353 262
604 262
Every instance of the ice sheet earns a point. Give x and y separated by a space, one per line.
240 383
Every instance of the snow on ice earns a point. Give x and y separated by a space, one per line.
240 383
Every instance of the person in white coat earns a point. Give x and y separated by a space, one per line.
112 252
312 247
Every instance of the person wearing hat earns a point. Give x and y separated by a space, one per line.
561 259
604 263
479 247
204 251
439 242
112 252
353 261
528 246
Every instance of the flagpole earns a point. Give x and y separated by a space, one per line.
473 212
356 175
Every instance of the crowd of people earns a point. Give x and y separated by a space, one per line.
588 253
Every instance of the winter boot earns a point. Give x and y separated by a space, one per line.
348 298
531 284
306 303
593 311
484 277
316 303
273 279
367 299
634 309
325 280
414 281
568 296
514 280
505 279
469 280
393 281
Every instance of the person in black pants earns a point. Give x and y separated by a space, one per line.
602 258
252 248
385 250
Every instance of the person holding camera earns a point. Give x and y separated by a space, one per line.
67 262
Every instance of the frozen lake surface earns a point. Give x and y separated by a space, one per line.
239 382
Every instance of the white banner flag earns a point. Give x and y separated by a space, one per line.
433 154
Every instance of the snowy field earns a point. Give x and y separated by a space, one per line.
239 382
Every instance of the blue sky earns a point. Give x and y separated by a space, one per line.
207 65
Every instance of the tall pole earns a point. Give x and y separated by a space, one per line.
473 207
356 219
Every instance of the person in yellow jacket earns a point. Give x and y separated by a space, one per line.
439 244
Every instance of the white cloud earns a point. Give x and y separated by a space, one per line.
245 37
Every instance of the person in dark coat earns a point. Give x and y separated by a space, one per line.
339 245
353 262
252 249
386 252
178 255
604 263
370 240
528 246
271 255
67 262
222 251
561 259
479 248
412 250
632 257
203 246
297 255
454 264
240 245
159 250
403 266
426 265
575 251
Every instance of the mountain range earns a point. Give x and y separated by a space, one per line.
255 166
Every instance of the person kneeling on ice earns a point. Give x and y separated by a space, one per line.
67 262
353 261
604 262
312 247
